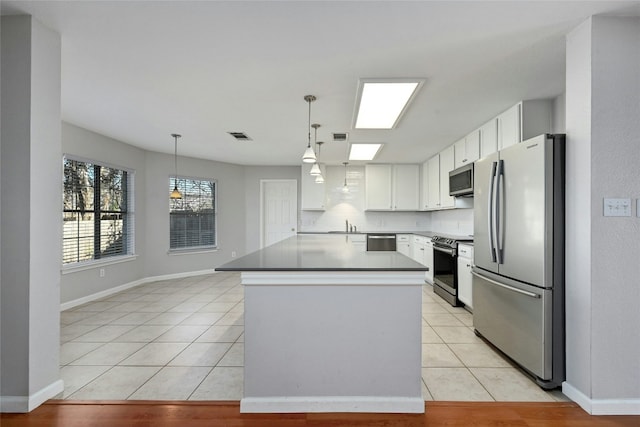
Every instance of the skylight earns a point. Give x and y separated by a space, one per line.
363 151
381 103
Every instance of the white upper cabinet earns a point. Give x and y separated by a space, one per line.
489 138
509 127
433 182
406 187
424 187
377 180
392 187
524 120
447 164
313 194
467 150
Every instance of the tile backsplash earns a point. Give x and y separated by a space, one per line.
341 207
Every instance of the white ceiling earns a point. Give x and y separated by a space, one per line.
139 71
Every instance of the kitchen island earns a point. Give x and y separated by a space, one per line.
329 328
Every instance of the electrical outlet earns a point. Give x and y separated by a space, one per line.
233 254
617 207
102 272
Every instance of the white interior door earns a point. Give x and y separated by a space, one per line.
279 203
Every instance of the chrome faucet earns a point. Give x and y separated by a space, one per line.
347 225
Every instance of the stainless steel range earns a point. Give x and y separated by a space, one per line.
445 266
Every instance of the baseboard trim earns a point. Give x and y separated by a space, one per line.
412 405
22 404
83 300
601 406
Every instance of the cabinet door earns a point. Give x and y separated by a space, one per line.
460 153
446 165
358 242
434 182
428 260
406 191
489 138
313 193
378 187
464 281
403 244
424 187
509 127
472 147
417 249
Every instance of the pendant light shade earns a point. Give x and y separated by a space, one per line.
175 194
309 155
345 187
319 179
315 170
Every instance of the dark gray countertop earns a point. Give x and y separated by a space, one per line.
320 252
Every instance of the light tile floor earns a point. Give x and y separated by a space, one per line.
183 340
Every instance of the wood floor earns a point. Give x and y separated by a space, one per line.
64 413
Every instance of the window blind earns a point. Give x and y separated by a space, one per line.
192 219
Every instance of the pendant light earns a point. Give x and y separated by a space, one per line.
309 156
345 188
319 177
315 169
175 194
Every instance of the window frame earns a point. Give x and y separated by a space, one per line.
199 248
130 248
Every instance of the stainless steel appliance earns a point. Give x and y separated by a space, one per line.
461 181
445 267
381 242
518 273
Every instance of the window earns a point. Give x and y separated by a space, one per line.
192 219
97 212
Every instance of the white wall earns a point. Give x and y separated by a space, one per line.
252 177
230 214
603 273
559 122
80 142
30 224
341 207
615 123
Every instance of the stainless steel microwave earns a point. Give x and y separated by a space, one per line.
461 181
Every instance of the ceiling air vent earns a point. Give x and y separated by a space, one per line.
240 136
340 136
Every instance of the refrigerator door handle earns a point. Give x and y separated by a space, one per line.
502 285
492 176
497 200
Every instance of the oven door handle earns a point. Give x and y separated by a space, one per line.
451 252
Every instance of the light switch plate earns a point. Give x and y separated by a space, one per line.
617 207
638 208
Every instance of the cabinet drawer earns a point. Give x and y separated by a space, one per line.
403 238
465 251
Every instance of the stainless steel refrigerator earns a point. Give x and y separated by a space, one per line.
518 272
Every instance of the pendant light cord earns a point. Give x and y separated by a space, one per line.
309 127
175 161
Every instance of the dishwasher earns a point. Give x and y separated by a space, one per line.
381 242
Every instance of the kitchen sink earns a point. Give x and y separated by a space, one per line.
345 232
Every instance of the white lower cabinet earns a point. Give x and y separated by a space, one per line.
465 257
359 241
428 259
422 252
404 244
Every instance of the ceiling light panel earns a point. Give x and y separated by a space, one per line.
363 151
381 103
